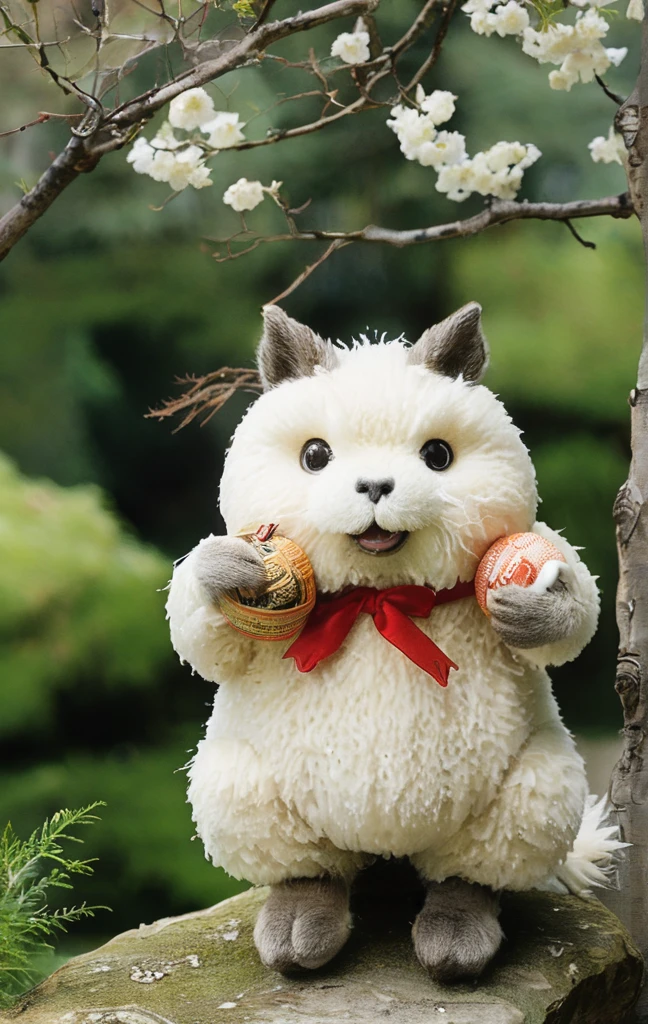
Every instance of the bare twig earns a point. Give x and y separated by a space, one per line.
207 394
579 238
307 271
35 47
430 61
266 7
41 119
23 44
614 96
362 103
43 116
422 21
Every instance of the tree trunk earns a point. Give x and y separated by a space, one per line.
629 783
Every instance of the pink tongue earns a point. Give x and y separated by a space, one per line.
376 533
377 539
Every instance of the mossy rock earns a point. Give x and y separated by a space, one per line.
565 960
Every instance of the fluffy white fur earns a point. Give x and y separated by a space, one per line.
367 755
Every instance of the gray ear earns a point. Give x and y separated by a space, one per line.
455 346
289 350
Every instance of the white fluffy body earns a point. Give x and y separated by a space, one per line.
367 755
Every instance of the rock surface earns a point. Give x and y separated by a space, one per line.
566 961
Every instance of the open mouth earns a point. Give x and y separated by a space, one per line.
380 542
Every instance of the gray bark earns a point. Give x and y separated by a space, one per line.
629 783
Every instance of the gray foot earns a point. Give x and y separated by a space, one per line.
303 923
457 932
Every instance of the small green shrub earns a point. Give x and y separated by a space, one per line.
29 869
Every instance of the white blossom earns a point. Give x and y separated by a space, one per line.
179 169
590 27
141 156
351 47
482 175
416 130
439 105
561 80
496 172
447 148
615 56
577 49
475 6
610 150
163 165
189 169
224 131
503 154
457 181
635 10
483 23
191 109
413 130
506 183
199 176
511 19
244 195
551 45
532 154
586 65
165 139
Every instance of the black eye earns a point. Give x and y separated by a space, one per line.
437 454
315 455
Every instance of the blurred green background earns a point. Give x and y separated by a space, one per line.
107 300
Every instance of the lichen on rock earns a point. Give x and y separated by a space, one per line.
566 960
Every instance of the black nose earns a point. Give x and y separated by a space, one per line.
375 489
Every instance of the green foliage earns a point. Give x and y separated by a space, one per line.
243 8
78 598
144 843
87 669
29 869
565 330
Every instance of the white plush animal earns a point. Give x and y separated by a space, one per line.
389 465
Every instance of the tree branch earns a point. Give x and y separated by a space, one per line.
83 154
362 103
63 170
446 17
143 108
500 211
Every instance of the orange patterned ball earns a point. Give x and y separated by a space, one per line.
515 559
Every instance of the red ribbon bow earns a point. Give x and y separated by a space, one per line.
332 619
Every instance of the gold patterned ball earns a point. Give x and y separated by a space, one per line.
288 596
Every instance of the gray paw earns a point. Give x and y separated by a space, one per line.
457 933
303 923
527 618
224 563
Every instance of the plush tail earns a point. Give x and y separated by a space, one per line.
591 863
